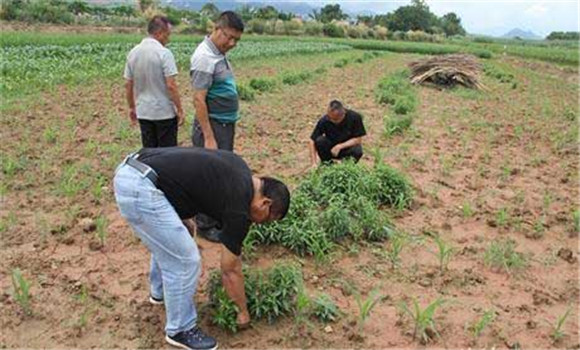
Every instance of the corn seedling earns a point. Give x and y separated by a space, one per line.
576 221
397 242
467 210
557 332
424 324
21 291
501 255
365 307
477 327
444 253
101 230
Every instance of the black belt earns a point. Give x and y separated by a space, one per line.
143 168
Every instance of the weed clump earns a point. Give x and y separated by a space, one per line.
262 84
290 78
335 203
245 92
501 255
271 294
396 90
396 124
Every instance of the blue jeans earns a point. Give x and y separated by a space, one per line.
175 259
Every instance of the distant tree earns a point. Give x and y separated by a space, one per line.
267 12
332 12
144 5
285 16
78 7
315 15
210 10
451 24
416 16
365 19
247 12
563 36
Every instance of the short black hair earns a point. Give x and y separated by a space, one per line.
158 23
277 191
230 19
336 105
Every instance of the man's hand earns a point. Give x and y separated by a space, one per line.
243 320
210 142
336 150
180 117
133 116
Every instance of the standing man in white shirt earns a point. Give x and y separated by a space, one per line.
151 87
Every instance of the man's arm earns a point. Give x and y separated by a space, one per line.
313 154
347 144
131 100
233 282
202 115
174 96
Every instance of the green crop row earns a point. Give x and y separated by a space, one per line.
397 91
33 68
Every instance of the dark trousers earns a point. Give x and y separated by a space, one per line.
324 145
158 133
224 134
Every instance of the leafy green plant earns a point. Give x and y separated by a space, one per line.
396 124
467 210
21 291
270 294
293 78
397 242
390 187
262 84
365 307
480 324
341 63
101 228
324 309
245 92
423 319
444 253
501 255
405 103
557 332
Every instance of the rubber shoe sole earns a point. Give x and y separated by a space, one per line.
183 346
155 301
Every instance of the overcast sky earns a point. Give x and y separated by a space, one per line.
489 17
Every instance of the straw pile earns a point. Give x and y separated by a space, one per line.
448 71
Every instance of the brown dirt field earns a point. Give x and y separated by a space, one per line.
505 149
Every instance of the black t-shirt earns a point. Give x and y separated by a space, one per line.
351 126
213 182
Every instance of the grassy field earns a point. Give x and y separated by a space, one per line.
460 228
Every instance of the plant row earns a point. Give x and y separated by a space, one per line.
397 91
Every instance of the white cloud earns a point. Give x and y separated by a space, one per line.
536 10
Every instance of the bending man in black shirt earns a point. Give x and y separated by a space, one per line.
337 135
157 188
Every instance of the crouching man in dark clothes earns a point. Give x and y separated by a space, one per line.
157 188
337 135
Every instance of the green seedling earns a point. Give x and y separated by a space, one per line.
101 230
576 220
365 307
487 318
398 242
444 253
21 291
324 309
502 217
424 324
501 255
557 332
467 210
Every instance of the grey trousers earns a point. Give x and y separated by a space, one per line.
224 135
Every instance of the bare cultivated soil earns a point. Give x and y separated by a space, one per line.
501 163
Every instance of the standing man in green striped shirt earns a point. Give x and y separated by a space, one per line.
215 97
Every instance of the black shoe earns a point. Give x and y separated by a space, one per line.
155 301
212 234
194 339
